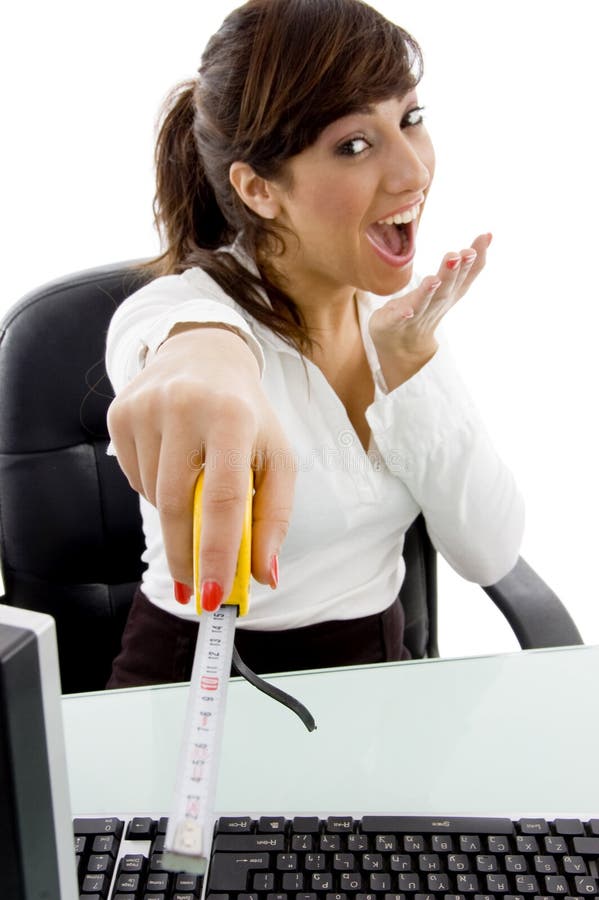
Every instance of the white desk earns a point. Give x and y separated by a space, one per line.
516 734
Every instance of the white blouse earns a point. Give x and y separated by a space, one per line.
429 452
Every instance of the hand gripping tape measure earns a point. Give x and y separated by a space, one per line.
189 831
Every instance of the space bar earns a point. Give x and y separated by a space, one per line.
426 825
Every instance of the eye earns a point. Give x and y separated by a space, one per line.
413 117
353 147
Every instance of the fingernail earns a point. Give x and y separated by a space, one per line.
454 262
211 596
274 572
433 286
468 259
489 239
182 592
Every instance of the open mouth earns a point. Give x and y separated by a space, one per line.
393 239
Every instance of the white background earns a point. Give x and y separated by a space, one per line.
510 91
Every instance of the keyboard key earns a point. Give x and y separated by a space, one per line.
127 883
379 882
533 826
425 825
568 826
98 826
330 843
408 881
515 863
321 881
231 871
545 865
442 843
263 881
272 825
190 883
234 825
555 845
141 829
351 882
574 865
157 882
497 883
372 862
586 886
249 843
586 846
556 884
357 843
385 843
97 884
302 842
526 844
292 881
498 843
132 862
414 843
526 884
470 843
306 825
339 825
286 862
106 843
100 863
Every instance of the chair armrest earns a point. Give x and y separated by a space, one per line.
537 615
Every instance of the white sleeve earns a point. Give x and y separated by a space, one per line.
143 321
432 438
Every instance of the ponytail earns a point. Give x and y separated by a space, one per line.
186 211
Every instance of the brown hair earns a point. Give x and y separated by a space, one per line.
274 75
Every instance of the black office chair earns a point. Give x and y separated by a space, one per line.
70 528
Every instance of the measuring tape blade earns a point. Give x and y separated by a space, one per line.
189 830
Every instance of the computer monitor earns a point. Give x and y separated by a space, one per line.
37 860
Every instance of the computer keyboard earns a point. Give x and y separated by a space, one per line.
346 858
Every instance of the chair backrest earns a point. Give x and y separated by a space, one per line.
70 528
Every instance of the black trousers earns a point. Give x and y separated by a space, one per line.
158 647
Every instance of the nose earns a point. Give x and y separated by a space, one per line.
409 166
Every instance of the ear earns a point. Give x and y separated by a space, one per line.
257 193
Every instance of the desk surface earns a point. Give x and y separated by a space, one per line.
514 734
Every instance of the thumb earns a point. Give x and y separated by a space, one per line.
273 499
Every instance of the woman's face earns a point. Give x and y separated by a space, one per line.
354 199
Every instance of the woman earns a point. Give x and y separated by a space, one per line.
291 178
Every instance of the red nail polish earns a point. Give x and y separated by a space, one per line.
211 596
454 263
182 592
274 571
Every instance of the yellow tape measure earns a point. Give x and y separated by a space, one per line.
240 593
189 830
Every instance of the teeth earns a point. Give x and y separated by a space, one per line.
401 218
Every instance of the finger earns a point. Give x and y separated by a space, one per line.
404 308
468 260
175 480
275 485
448 274
229 452
148 456
479 246
124 447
